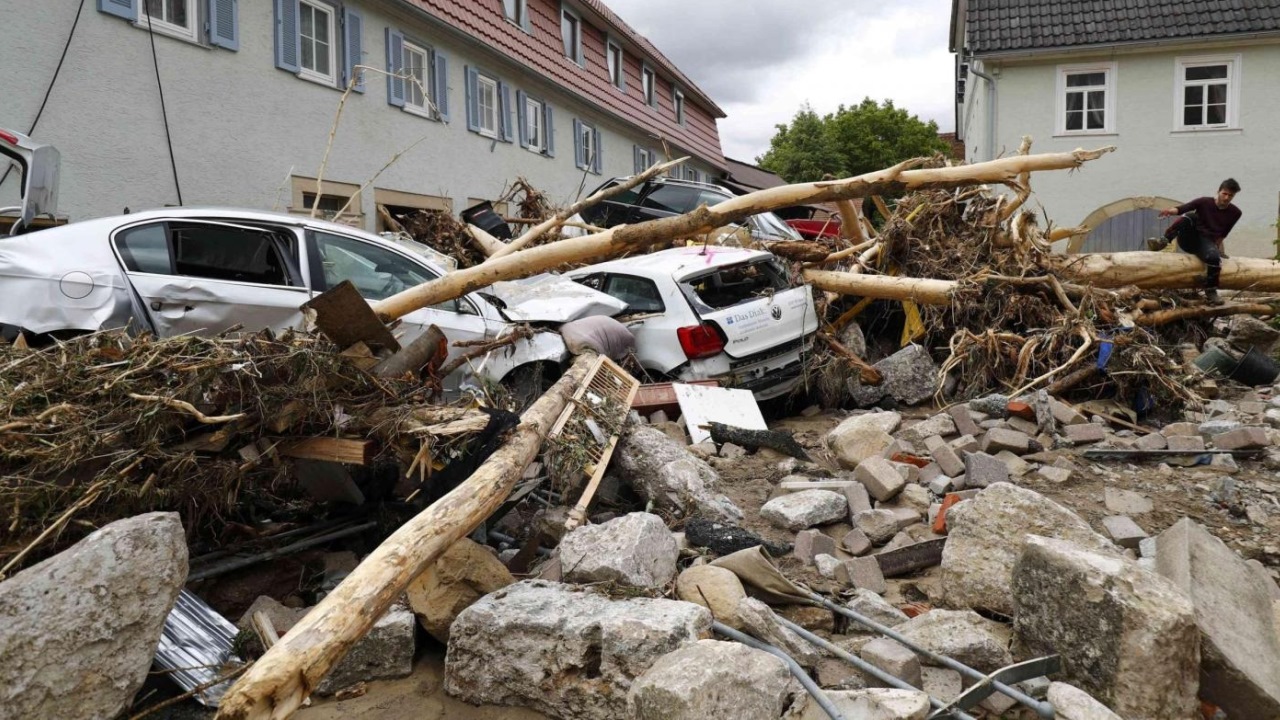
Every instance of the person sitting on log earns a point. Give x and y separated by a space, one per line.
1202 229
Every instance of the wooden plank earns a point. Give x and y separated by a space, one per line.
343 450
912 557
346 319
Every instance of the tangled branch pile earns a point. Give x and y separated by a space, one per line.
108 426
443 233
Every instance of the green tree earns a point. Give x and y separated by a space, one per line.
850 141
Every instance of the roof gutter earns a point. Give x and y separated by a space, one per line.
991 108
1135 45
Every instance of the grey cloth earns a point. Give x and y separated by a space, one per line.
599 333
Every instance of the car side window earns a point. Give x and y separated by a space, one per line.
672 198
640 294
145 249
376 272
709 198
594 281
220 252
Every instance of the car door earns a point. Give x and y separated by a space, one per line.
650 320
378 273
206 276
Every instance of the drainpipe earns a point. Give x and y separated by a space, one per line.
991 108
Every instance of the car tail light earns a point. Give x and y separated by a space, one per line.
8 137
700 341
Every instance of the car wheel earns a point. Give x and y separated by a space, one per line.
529 382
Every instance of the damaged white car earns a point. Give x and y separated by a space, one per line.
713 312
193 270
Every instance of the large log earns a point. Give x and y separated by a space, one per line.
1145 270
278 683
624 238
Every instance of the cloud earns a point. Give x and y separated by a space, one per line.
760 60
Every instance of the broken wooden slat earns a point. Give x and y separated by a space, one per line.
341 450
912 557
344 317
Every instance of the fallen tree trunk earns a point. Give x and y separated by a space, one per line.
779 440
278 683
617 240
1145 270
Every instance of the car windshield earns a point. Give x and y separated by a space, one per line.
734 284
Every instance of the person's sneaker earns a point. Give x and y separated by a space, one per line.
1211 295
1157 244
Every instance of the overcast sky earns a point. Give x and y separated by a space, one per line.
760 60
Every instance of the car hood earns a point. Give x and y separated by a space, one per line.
551 298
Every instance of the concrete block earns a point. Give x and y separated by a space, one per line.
965 444
856 495
880 477
948 461
963 419
862 572
1244 438
1186 442
981 470
1085 433
811 543
1054 474
1152 441
998 439
894 658
855 542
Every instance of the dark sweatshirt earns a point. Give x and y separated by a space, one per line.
1214 222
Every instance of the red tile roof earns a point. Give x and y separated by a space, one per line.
542 51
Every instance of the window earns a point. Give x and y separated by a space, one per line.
674 199
534 122
487 102
644 158
332 197
418 81
417 77
376 272
640 294
1208 93
315 42
1086 99
516 12
206 250
613 57
182 19
648 84
586 147
489 109
173 17
571 34
677 104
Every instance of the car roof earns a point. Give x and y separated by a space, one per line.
678 263
667 180
106 224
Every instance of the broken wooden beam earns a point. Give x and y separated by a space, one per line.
340 450
278 683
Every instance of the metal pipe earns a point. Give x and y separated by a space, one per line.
809 685
991 108
868 668
1043 709
238 563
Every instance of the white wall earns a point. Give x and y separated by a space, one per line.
240 126
1151 158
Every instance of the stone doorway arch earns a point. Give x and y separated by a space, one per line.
1122 226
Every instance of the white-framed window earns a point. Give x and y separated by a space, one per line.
571 34
644 158
316 46
1208 92
419 80
1086 99
517 13
534 131
179 18
586 146
613 57
677 104
487 105
649 85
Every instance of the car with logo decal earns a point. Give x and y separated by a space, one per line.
713 312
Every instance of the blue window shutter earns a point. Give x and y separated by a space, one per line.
395 68
473 101
522 120
550 131
506 118
127 9
287 35
596 162
577 144
224 24
441 89
353 48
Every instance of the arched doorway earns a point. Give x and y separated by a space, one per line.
1122 226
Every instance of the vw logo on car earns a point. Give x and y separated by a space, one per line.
776 312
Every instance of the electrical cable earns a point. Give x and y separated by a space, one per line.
164 113
49 90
